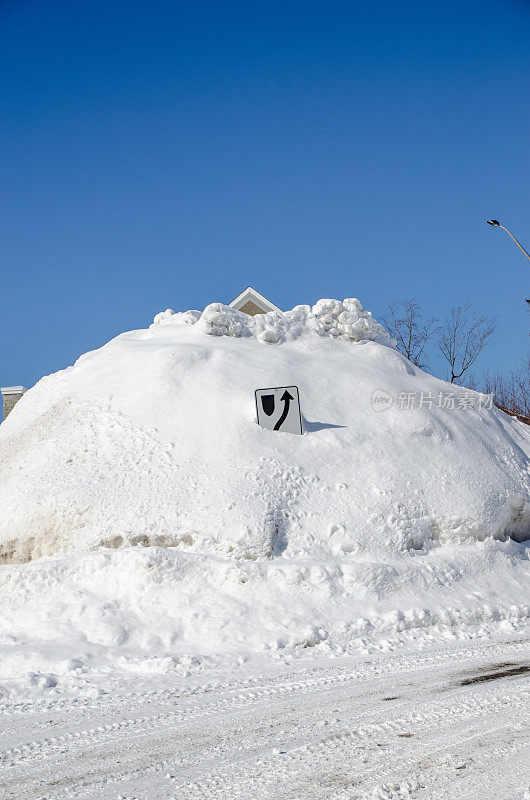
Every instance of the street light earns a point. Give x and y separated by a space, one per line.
497 224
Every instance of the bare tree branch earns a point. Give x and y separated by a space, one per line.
404 322
463 337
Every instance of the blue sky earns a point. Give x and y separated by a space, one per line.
158 155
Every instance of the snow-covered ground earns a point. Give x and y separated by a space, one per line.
436 723
186 594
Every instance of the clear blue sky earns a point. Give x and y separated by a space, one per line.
170 153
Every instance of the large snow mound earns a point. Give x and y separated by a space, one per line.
152 439
162 522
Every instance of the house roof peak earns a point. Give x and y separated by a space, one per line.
252 302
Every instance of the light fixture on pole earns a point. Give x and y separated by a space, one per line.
497 224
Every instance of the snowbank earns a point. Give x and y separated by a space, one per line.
152 441
80 624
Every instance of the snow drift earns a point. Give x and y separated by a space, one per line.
152 441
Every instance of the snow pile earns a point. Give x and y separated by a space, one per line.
162 524
74 623
339 319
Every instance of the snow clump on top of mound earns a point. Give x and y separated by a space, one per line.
345 319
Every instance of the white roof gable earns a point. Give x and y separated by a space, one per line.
251 295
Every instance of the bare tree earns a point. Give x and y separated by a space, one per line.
463 337
521 380
405 323
511 393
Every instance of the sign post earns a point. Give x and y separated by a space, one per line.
278 409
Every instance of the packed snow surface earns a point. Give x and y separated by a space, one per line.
147 523
445 723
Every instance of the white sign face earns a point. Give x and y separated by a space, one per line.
279 409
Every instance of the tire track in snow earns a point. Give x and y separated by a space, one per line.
250 691
375 662
400 776
242 780
44 760
329 747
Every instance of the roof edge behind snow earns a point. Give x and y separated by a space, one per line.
251 294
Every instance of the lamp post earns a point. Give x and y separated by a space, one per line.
497 224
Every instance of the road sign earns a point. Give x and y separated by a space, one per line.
279 409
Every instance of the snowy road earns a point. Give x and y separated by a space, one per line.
446 723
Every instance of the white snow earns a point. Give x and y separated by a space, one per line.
339 319
149 526
441 723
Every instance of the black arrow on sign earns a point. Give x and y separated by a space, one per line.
286 397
